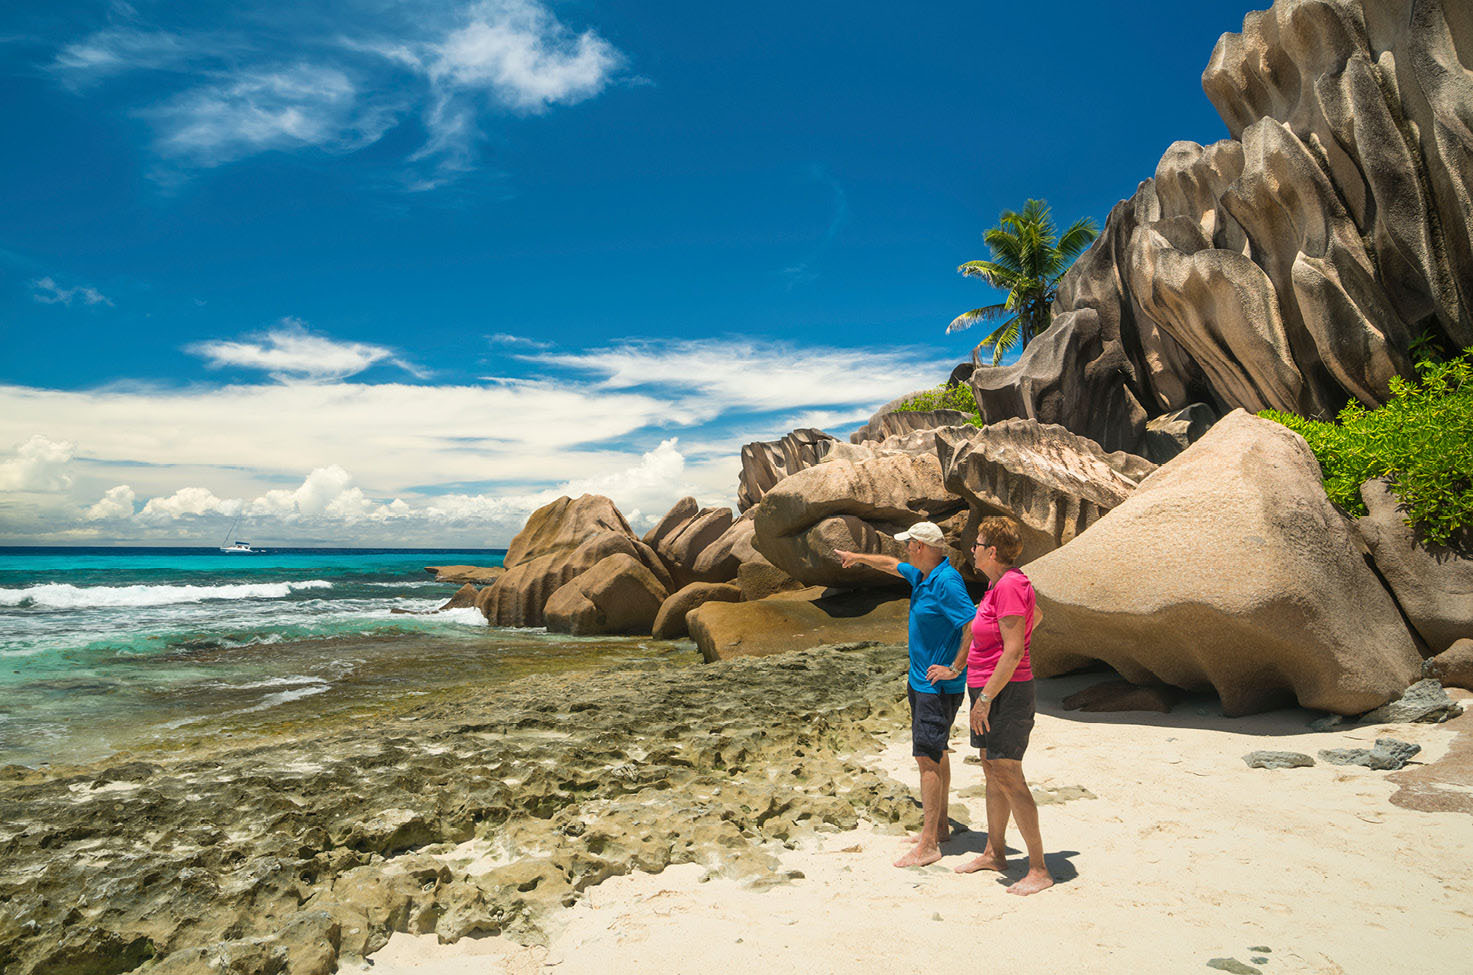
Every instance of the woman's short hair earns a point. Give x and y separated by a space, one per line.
1004 533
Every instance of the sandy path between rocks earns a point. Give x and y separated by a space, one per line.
1183 855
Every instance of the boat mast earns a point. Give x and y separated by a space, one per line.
232 529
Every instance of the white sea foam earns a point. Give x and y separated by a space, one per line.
65 596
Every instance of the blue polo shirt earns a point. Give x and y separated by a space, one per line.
939 609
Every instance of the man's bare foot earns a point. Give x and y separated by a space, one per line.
1035 881
987 861
919 857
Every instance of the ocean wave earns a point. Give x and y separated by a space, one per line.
66 596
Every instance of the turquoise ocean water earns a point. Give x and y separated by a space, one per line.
102 648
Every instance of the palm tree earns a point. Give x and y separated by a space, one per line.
1027 261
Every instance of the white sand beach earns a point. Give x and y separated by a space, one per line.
1179 855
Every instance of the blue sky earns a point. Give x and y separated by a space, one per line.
377 272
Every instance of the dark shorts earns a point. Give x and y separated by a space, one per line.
931 718
1010 721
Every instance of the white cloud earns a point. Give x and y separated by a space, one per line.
328 493
464 462
117 49
708 377
516 341
253 111
188 501
292 351
248 91
37 465
518 52
116 503
48 292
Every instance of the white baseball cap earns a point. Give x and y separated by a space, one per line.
924 532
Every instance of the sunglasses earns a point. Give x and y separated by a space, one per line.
981 544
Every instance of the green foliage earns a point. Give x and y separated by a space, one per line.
1028 259
1421 440
944 397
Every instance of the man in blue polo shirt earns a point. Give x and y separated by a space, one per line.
941 615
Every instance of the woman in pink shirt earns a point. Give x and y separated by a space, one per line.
1000 682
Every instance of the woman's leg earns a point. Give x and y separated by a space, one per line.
1008 774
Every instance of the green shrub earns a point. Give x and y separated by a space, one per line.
944 397
1421 440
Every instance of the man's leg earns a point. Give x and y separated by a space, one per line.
1009 775
995 857
943 827
927 850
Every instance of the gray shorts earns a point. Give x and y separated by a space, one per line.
931 718
1009 721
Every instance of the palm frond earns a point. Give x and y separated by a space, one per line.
1080 234
967 319
994 274
1003 338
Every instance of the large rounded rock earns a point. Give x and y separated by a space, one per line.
684 548
797 621
1434 585
1055 483
1454 666
561 540
856 507
679 514
618 594
1228 569
670 621
719 561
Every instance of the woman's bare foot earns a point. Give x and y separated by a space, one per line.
987 861
919 857
1035 881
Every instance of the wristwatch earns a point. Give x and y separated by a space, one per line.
982 698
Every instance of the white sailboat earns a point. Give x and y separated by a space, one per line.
238 546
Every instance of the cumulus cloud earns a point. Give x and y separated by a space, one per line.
262 92
37 465
48 292
291 351
116 503
328 494
188 501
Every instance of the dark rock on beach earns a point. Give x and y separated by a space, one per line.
1387 755
1424 701
1272 759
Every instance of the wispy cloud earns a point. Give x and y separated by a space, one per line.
449 69
114 50
291 351
804 269
516 341
253 111
48 292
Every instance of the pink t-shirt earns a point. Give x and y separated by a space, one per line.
1012 595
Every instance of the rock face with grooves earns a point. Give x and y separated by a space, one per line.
1292 265
765 463
1055 483
1433 585
856 507
1228 569
683 550
618 594
884 425
719 561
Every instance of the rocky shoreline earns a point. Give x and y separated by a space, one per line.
476 814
